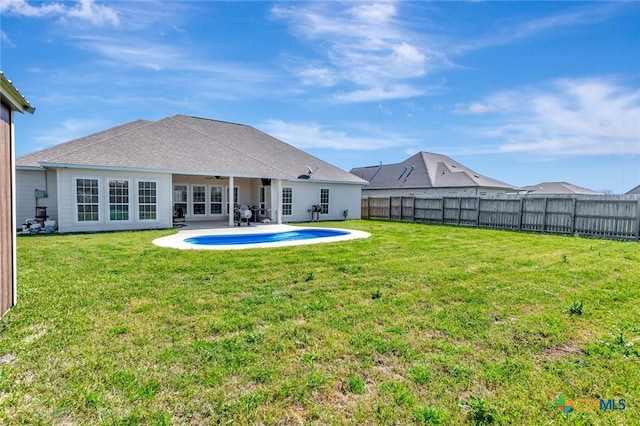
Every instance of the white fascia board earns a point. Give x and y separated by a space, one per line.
13 96
36 168
325 181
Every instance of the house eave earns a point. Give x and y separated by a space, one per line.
32 168
47 164
327 181
13 96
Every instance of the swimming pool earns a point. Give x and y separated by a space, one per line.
258 236
265 237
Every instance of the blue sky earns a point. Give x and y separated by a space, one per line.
523 92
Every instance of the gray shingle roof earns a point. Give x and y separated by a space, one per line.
59 151
189 145
558 188
425 170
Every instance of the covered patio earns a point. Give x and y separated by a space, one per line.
218 199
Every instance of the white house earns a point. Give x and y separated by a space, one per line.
426 174
136 176
10 101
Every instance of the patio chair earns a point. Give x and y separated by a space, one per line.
178 216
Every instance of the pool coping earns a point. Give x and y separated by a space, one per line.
176 241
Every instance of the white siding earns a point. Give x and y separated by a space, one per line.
67 213
27 181
306 194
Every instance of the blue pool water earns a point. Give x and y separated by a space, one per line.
271 237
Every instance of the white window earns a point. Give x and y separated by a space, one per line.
87 200
118 199
287 201
180 200
324 200
147 201
262 201
235 198
216 200
199 193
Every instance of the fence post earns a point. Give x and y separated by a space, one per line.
442 210
573 215
368 208
638 220
413 209
479 201
390 207
544 216
520 214
459 209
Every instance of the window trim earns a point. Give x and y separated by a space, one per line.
236 195
108 181
211 202
139 204
324 207
76 204
194 202
290 204
262 200
186 203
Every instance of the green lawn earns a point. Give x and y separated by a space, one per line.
416 325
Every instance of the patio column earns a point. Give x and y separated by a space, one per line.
230 201
278 201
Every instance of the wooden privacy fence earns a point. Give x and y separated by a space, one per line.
595 216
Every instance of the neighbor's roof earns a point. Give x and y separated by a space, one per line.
188 145
558 188
13 96
425 170
634 191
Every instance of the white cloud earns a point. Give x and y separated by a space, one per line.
23 8
365 45
316 75
67 130
4 38
566 117
86 10
399 91
96 14
515 32
312 135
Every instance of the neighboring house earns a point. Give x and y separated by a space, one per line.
557 188
10 101
426 174
136 176
634 191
